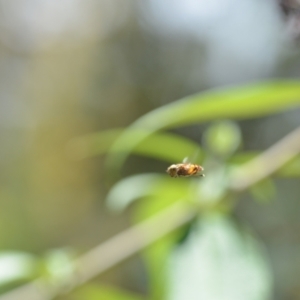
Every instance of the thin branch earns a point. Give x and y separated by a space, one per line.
268 162
136 238
132 240
110 253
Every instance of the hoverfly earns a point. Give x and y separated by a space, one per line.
185 170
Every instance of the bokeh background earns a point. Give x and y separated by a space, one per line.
74 67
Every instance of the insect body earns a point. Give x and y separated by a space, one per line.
185 170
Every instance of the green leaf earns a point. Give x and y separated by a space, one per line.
103 292
15 266
155 259
239 103
219 260
155 256
164 146
144 185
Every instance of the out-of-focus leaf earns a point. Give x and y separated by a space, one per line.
102 292
165 146
219 261
264 191
156 255
214 187
134 187
246 102
155 258
16 266
233 103
223 138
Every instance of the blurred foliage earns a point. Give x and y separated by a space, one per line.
17 268
69 68
217 257
236 103
214 257
219 260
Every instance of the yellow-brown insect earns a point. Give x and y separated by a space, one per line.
185 170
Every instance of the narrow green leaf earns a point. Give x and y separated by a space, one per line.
246 102
15 266
144 185
164 146
156 255
155 258
168 147
219 260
